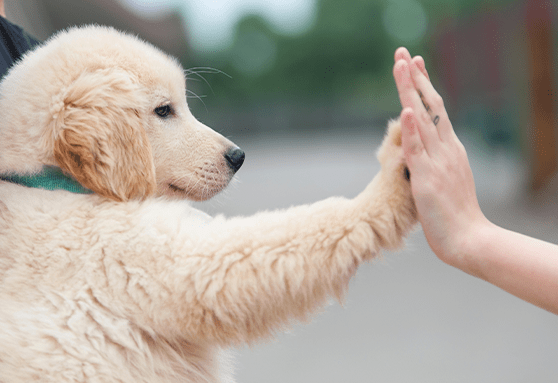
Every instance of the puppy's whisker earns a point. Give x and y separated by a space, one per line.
189 179
195 185
189 176
205 69
196 71
200 77
191 94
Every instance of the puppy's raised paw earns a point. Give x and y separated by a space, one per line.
392 186
390 153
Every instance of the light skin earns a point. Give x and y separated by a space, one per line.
444 191
2 12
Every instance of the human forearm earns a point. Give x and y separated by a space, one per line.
523 266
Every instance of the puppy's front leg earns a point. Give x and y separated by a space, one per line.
236 280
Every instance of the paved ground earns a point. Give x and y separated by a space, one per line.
408 317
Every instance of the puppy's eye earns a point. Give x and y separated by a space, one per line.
164 111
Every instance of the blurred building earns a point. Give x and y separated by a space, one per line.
41 18
499 70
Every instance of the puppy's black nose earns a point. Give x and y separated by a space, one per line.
235 158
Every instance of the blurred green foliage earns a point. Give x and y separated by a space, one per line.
346 43
346 54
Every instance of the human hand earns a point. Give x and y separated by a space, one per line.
441 178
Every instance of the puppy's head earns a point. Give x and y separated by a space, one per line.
111 110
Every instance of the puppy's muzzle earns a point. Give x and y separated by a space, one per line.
235 158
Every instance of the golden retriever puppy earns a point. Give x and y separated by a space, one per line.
125 284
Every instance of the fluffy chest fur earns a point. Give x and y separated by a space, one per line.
53 284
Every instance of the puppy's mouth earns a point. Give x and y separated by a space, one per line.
202 193
177 189
201 184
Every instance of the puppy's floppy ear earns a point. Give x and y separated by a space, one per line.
101 140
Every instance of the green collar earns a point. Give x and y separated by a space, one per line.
51 178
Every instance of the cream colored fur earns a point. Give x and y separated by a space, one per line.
129 285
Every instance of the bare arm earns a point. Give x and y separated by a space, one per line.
444 191
523 266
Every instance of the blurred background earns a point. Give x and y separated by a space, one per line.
305 88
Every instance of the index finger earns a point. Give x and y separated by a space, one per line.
409 96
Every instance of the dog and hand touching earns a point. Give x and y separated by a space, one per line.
130 283
107 274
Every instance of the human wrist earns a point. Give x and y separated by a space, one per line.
474 244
